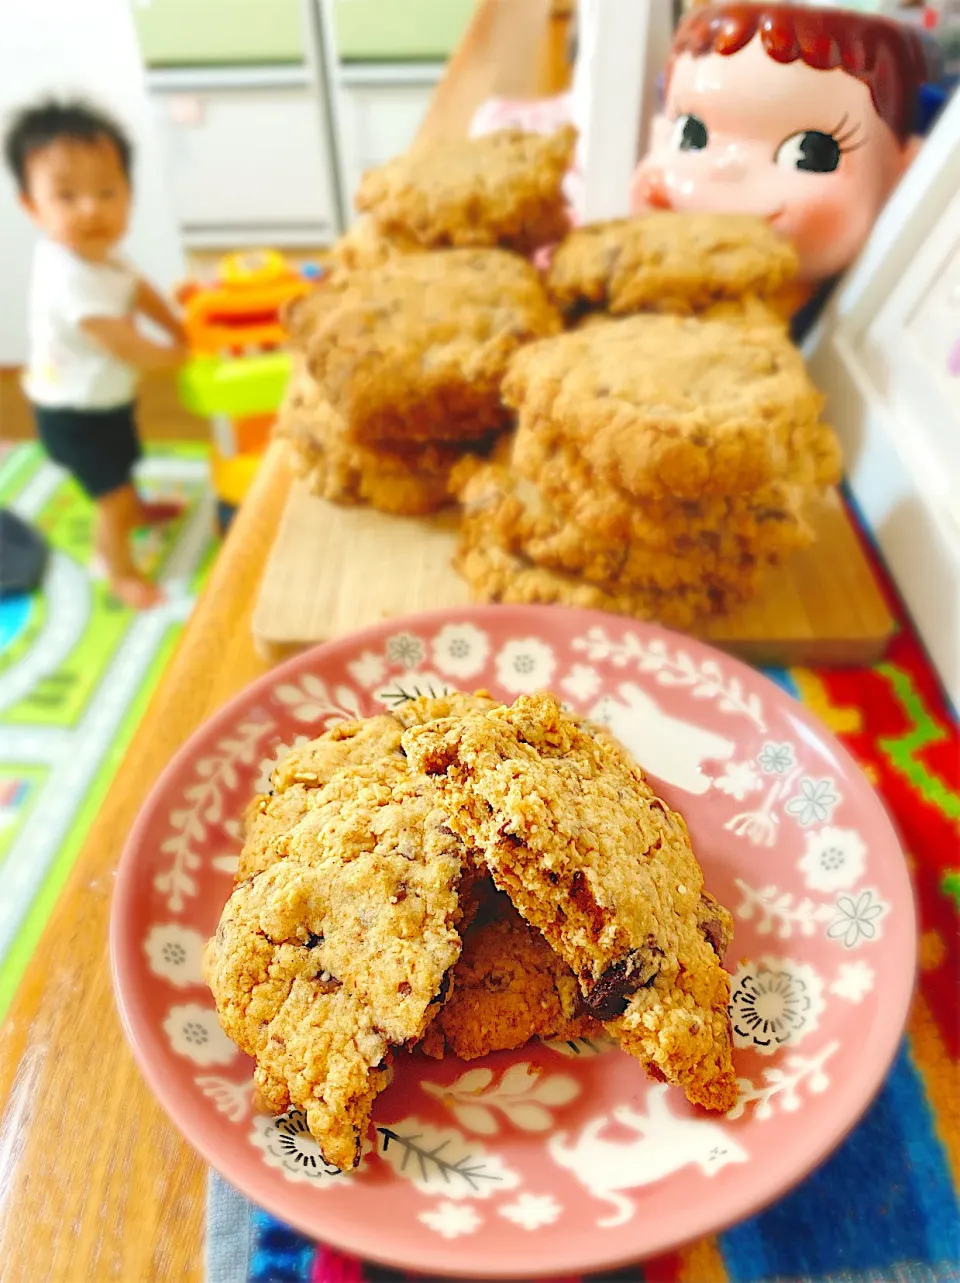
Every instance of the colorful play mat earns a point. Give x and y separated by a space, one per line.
76 671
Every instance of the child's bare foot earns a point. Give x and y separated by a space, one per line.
158 514
136 592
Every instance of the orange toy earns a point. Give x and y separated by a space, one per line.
240 311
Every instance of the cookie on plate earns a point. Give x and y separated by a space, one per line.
669 261
339 952
572 832
355 747
670 405
504 188
416 349
508 987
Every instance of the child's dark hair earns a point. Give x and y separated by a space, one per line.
36 127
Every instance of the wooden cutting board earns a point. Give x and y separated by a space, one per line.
334 570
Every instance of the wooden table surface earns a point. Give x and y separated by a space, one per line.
94 1182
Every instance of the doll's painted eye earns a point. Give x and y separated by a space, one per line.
689 133
811 151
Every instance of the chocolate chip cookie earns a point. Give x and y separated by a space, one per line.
495 575
416 349
504 188
508 987
339 951
668 405
400 477
590 856
669 261
500 506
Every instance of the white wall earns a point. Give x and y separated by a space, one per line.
88 47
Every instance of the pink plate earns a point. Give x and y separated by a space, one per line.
551 1159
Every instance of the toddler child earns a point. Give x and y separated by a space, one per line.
72 166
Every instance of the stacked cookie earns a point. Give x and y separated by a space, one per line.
673 262
398 371
399 356
503 188
411 879
661 462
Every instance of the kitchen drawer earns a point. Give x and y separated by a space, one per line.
379 121
247 161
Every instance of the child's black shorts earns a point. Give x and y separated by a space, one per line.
98 447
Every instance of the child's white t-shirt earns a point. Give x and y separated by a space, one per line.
66 368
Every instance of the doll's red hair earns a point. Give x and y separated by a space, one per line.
887 56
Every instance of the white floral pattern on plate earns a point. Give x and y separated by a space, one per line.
854 981
774 1003
367 670
406 649
175 953
768 905
833 859
706 679
451 1220
777 759
312 700
287 1145
531 1211
460 650
738 779
581 683
443 1160
200 806
780 1085
525 666
761 825
523 1095
815 802
232 1099
194 1032
859 918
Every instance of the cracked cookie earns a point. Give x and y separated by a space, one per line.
504 188
590 856
508 987
340 950
353 746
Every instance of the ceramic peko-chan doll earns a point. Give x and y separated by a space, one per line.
805 116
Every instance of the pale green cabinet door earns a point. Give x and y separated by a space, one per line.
391 30
179 33
183 33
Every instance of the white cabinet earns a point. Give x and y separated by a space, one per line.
381 108
249 151
247 163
